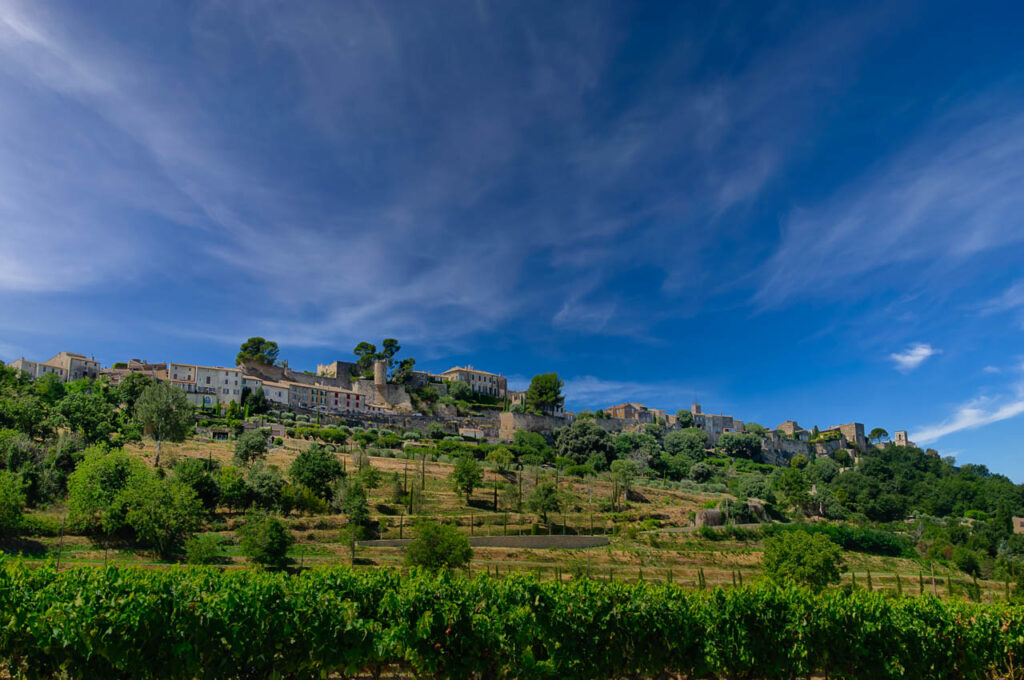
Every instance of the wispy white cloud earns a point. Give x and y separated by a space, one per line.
588 391
976 413
992 370
950 195
913 356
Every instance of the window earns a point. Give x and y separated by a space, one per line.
207 380
225 390
236 391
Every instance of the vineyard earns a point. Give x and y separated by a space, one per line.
121 622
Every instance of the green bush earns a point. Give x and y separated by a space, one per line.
438 546
204 549
265 540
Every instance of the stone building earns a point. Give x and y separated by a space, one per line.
207 385
630 411
714 425
481 382
67 366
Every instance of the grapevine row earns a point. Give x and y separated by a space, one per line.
123 622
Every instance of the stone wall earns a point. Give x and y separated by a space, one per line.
546 425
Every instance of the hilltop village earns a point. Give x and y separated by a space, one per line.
474 404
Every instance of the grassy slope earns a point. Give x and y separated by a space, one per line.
633 551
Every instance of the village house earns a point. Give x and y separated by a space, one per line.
206 385
714 425
630 411
481 382
68 366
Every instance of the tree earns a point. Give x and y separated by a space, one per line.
354 504
196 473
89 414
265 540
234 492
12 502
131 388
583 439
501 458
257 350
740 444
691 442
701 472
623 474
755 428
204 549
685 418
544 499
438 546
877 436
94 490
317 469
466 475
161 512
365 353
544 393
256 401
404 372
250 447
49 388
435 430
793 487
802 557
165 412
389 348
460 390
265 484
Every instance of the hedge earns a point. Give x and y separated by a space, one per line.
199 622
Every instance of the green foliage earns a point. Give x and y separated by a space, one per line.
265 540
741 444
808 559
691 442
162 512
257 350
12 502
544 393
354 504
583 440
544 499
438 546
317 469
196 473
204 549
95 504
466 475
435 430
264 484
877 435
250 447
501 458
685 418
88 414
233 491
166 412
181 624
460 390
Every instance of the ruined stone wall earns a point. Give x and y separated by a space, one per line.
546 425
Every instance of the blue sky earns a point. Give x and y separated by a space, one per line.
785 211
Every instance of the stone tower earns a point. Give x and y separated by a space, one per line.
380 372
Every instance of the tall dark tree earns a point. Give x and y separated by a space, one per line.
259 350
544 393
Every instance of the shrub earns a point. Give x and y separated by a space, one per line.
250 447
808 559
438 546
12 501
204 549
265 540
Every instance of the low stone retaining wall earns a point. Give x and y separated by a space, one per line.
537 542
